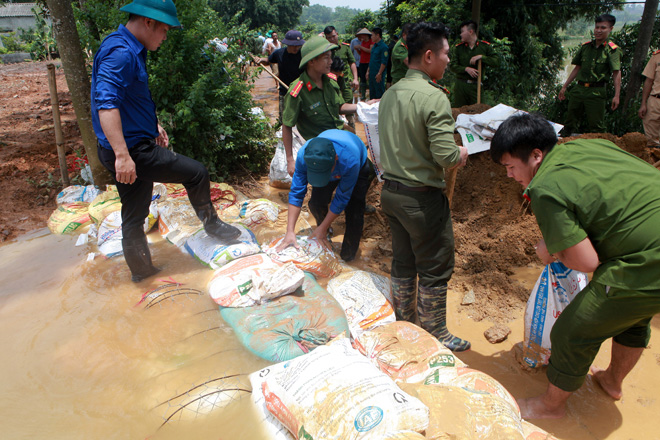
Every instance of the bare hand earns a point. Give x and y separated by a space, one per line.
125 170
474 59
162 140
642 111
379 77
355 84
472 72
562 94
322 236
288 240
542 253
290 166
615 103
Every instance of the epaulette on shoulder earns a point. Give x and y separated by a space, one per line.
459 44
485 42
586 42
612 45
438 86
332 76
296 89
345 43
656 52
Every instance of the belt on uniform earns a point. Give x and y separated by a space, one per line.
469 81
393 185
596 84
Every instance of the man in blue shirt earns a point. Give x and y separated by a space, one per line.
130 138
335 160
378 65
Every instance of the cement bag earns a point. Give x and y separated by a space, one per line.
275 429
368 115
103 205
222 195
459 413
215 254
336 393
405 352
258 212
278 177
311 256
109 234
533 432
361 295
552 293
404 435
69 217
78 193
177 220
289 326
253 280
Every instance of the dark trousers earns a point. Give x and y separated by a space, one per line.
155 164
354 211
362 72
422 235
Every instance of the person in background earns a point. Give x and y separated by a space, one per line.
271 45
365 54
377 64
400 56
356 53
466 56
390 46
349 75
595 62
131 142
649 110
333 162
417 145
594 218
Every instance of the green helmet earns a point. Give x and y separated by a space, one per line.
314 47
159 10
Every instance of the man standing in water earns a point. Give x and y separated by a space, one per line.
131 141
594 218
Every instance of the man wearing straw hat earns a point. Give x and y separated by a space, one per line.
130 137
365 56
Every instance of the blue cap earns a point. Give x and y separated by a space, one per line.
320 160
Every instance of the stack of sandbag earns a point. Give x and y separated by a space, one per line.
77 193
362 296
215 253
260 215
335 392
288 326
310 256
69 218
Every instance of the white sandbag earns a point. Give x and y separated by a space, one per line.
554 290
368 115
258 211
362 296
77 193
177 220
275 428
278 177
215 253
310 256
109 234
334 392
252 280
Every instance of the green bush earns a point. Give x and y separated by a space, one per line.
39 40
13 43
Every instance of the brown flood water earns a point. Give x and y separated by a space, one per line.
81 359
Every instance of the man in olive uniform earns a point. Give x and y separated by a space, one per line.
400 56
378 64
313 102
595 62
649 111
350 74
416 147
466 56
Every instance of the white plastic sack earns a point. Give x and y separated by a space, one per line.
252 280
311 256
278 176
368 115
275 428
78 193
335 392
552 293
215 254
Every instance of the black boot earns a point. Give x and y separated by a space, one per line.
215 227
138 258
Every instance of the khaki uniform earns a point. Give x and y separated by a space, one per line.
345 54
399 54
652 117
311 109
465 87
589 97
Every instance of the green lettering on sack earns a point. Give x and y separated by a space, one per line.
442 360
245 287
469 137
304 435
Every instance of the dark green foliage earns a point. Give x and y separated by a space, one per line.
260 14
39 40
321 16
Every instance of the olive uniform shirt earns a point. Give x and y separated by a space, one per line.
592 188
597 63
345 54
311 109
399 54
462 54
416 132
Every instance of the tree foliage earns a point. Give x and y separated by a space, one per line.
321 16
260 14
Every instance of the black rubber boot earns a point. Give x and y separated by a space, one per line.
432 311
138 258
404 291
215 227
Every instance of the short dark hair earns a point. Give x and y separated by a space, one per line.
337 65
519 135
406 28
611 19
471 24
378 31
425 36
328 30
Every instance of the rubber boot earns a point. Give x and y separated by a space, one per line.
363 91
432 311
215 227
404 291
138 258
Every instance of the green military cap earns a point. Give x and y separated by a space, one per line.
314 47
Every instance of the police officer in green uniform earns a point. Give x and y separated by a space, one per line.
400 56
594 218
377 64
343 52
416 147
466 56
594 62
313 101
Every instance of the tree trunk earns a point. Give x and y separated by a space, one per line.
641 52
77 79
476 13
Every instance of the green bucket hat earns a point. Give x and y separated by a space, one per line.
159 10
320 160
314 47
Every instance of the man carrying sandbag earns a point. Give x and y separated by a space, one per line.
131 142
334 160
598 208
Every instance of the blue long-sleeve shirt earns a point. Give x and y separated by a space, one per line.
120 80
351 156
